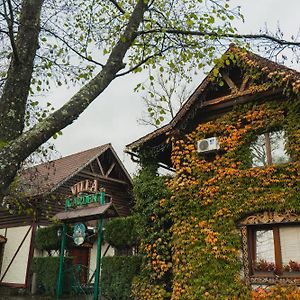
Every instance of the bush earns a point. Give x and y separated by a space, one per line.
121 233
46 238
46 269
117 275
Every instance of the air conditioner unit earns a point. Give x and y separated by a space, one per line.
208 145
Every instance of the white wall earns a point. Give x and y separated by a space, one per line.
93 256
17 271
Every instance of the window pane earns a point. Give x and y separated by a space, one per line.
278 141
290 247
265 255
277 145
258 152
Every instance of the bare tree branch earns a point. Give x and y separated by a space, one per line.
263 36
10 26
117 5
73 49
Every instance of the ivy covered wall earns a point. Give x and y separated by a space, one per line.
198 254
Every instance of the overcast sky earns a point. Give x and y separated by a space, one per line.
112 118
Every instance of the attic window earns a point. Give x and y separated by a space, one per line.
268 149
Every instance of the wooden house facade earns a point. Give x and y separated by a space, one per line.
45 188
235 204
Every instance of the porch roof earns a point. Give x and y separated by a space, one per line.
106 210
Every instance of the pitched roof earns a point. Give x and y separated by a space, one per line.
252 61
48 176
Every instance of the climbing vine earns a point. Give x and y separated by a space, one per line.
209 196
153 225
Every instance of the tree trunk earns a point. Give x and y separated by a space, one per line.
16 151
16 89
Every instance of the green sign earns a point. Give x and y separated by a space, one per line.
82 200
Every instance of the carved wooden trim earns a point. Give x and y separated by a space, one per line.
245 254
274 280
271 218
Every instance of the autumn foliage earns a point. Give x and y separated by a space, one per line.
208 198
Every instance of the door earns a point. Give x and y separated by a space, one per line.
81 263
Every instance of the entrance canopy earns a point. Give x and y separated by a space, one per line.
105 211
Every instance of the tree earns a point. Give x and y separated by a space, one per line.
164 97
45 40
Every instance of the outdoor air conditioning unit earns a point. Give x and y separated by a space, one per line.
208 145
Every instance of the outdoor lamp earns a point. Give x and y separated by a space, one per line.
59 233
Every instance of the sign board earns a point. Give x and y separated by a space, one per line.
82 200
79 233
85 186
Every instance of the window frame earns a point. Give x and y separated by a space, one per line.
267 220
268 148
277 249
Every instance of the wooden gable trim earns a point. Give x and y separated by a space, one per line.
244 83
240 95
100 165
110 169
81 168
105 178
103 175
119 162
197 96
228 80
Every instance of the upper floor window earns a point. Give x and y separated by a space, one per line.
269 148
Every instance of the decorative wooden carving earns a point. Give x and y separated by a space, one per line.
271 218
245 254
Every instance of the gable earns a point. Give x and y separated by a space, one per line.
50 176
239 76
108 166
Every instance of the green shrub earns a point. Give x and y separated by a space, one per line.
121 233
117 275
46 238
46 269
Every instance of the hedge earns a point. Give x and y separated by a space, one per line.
121 233
117 275
46 269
